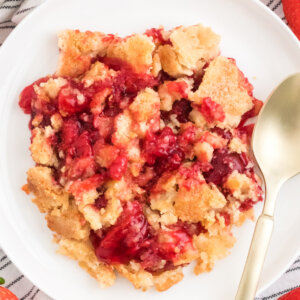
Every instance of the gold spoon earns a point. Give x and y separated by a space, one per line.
276 147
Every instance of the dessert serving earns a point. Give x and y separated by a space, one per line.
141 151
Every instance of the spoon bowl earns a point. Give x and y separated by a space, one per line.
276 137
276 147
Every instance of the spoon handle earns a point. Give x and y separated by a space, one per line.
256 256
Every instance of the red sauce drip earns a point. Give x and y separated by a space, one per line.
245 131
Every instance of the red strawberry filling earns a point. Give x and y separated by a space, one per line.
88 159
211 110
132 238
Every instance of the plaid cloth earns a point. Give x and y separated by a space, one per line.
11 13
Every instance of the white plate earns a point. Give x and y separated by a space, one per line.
265 50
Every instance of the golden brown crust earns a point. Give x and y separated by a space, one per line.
241 186
196 116
56 122
104 217
123 130
212 248
167 279
136 50
48 194
237 145
195 44
191 48
170 63
194 205
203 151
223 83
83 252
156 65
41 150
145 105
143 280
140 278
97 72
52 87
163 200
77 49
106 155
68 223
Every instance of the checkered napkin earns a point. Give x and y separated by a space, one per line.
11 13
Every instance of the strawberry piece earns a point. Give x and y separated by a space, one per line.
71 101
28 95
224 163
212 111
81 168
293 295
291 10
83 145
6 294
118 167
79 187
126 238
178 88
70 132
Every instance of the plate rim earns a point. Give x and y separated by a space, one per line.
6 44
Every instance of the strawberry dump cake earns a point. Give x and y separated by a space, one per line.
141 150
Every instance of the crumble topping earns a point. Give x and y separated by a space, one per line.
142 152
135 50
226 85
